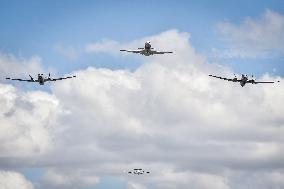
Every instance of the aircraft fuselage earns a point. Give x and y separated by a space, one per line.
40 79
147 49
243 80
138 171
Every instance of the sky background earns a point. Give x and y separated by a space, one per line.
44 27
124 111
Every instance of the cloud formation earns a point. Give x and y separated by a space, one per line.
12 66
69 52
112 47
67 179
12 180
255 37
25 120
167 116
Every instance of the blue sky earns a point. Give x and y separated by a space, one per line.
37 27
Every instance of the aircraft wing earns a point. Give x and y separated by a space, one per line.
160 52
133 51
28 80
256 82
60 78
227 79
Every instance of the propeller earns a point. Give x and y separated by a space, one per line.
235 78
253 81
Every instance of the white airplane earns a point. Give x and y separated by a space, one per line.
138 172
147 50
243 80
41 79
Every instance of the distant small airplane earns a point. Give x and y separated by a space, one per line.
244 80
41 79
138 172
147 50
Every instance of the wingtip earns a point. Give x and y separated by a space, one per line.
122 50
8 78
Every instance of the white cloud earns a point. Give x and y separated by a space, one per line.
12 180
11 66
71 179
167 116
133 185
68 52
170 111
262 36
105 46
25 118
172 179
159 42
267 179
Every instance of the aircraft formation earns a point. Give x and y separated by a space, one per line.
147 50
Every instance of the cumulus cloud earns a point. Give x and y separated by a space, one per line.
25 120
255 37
171 179
167 116
68 52
12 180
67 179
169 111
133 185
267 179
12 66
104 46
112 47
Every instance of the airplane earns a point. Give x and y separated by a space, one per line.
147 50
244 80
138 172
41 79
